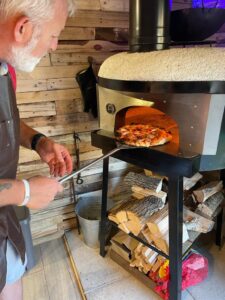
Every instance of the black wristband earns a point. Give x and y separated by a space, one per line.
35 139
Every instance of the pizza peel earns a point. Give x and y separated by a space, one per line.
119 146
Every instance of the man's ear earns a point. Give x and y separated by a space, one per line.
23 30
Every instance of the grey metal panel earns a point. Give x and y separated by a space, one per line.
199 118
213 126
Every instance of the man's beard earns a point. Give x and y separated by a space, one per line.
21 58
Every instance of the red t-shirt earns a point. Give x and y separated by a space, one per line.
13 75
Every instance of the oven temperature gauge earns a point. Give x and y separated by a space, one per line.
110 108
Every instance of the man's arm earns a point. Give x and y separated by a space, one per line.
11 192
55 155
42 191
26 135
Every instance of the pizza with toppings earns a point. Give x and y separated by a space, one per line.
143 135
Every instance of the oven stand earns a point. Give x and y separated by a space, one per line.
175 197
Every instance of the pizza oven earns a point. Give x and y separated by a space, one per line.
179 89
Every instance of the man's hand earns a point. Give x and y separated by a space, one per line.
55 155
42 191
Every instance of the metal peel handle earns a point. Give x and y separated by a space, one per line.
67 177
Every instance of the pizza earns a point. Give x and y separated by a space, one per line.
143 135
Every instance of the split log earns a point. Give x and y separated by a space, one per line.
161 243
157 221
140 211
135 213
160 260
196 222
190 182
116 209
149 255
144 258
203 193
146 192
146 234
133 227
208 208
151 183
123 227
113 219
161 240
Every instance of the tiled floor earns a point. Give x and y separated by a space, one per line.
101 278
52 277
104 279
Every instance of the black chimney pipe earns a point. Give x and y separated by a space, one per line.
149 25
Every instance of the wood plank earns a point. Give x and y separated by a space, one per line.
61 83
77 33
110 34
66 119
43 96
73 58
37 109
66 107
87 5
45 61
51 72
67 128
31 85
91 46
99 19
115 5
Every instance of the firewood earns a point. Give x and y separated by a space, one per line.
160 260
140 211
123 227
133 227
203 193
116 209
190 182
138 196
161 243
208 208
122 216
161 240
149 255
196 222
157 220
113 218
146 192
151 183
146 234
144 258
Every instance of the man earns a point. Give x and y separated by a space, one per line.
28 31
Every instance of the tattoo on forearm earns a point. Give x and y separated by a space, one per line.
5 186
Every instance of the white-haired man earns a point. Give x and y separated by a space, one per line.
29 29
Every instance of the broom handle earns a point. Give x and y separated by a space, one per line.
75 173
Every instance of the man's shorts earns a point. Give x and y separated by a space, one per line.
15 266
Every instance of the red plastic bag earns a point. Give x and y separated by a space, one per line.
194 271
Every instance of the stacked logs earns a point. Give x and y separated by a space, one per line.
146 214
206 201
147 198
